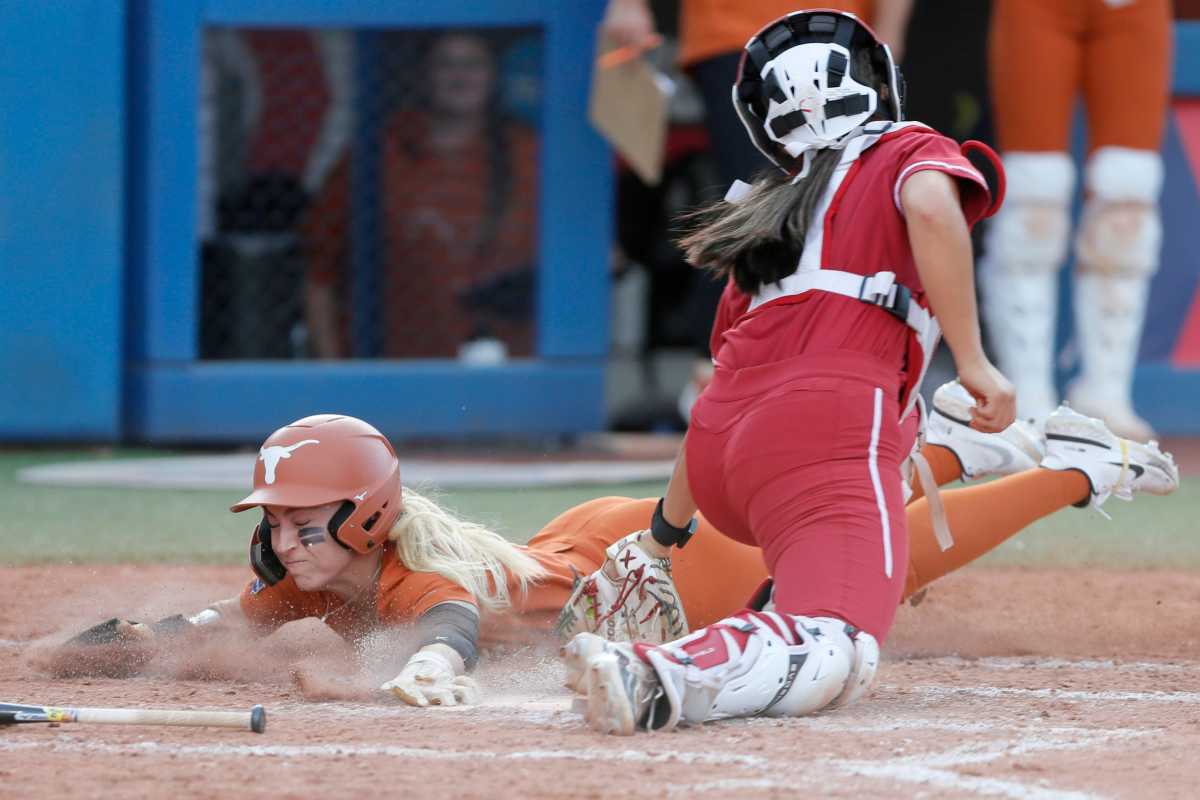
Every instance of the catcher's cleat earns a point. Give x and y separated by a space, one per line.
575 656
1017 448
1161 476
622 690
1112 465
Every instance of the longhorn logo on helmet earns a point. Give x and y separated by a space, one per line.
271 456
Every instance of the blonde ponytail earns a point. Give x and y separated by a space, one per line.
431 539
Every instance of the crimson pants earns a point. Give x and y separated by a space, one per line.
810 472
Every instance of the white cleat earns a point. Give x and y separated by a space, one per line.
1017 448
1161 476
1113 466
1119 416
575 656
621 688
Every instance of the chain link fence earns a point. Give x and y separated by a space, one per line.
369 194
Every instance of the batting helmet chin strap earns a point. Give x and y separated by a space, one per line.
795 92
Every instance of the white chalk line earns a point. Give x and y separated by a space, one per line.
957 782
982 752
937 768
993 692
934 769
1029 663
72 745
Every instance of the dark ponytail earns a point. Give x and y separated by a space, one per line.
759 238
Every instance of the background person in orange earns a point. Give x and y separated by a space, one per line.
1045 54
458 208
712 34
341 541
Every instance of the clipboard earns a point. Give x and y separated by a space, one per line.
628 105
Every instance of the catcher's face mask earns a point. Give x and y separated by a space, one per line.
795 91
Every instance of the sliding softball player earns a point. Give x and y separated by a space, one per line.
342 541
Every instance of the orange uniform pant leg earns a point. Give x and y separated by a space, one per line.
1044 55
944 465
984 516
1127 74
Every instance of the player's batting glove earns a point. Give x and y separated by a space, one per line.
429 679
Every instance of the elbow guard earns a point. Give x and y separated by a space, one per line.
454 625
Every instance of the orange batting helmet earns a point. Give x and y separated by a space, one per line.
322 459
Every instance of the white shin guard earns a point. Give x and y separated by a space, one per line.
1026 246
762 663
1117 248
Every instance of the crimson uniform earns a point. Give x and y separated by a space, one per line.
795 445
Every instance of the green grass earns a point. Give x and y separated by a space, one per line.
90 525
48 524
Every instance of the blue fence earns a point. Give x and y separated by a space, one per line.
62 156
101 262
98 238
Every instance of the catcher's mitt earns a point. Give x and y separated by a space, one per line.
632 597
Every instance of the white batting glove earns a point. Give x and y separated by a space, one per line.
429 679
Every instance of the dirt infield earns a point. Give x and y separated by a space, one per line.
1008 683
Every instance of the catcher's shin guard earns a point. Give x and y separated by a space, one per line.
759 663
1026 246
1118 251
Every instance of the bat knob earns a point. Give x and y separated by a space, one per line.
258 719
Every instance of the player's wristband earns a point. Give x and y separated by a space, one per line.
667 534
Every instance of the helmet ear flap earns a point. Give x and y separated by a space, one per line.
263 561
341 515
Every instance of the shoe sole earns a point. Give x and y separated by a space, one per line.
608 707
575 655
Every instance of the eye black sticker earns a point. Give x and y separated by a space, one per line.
310 536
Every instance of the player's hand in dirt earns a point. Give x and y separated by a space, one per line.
995 398
116 648
429 679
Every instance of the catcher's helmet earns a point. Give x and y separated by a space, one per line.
322 459
795 88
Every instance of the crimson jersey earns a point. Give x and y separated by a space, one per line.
863 231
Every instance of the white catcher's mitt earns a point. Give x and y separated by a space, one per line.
631 598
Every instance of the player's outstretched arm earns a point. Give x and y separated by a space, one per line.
121 648
941 245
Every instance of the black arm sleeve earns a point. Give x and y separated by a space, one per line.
453 625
